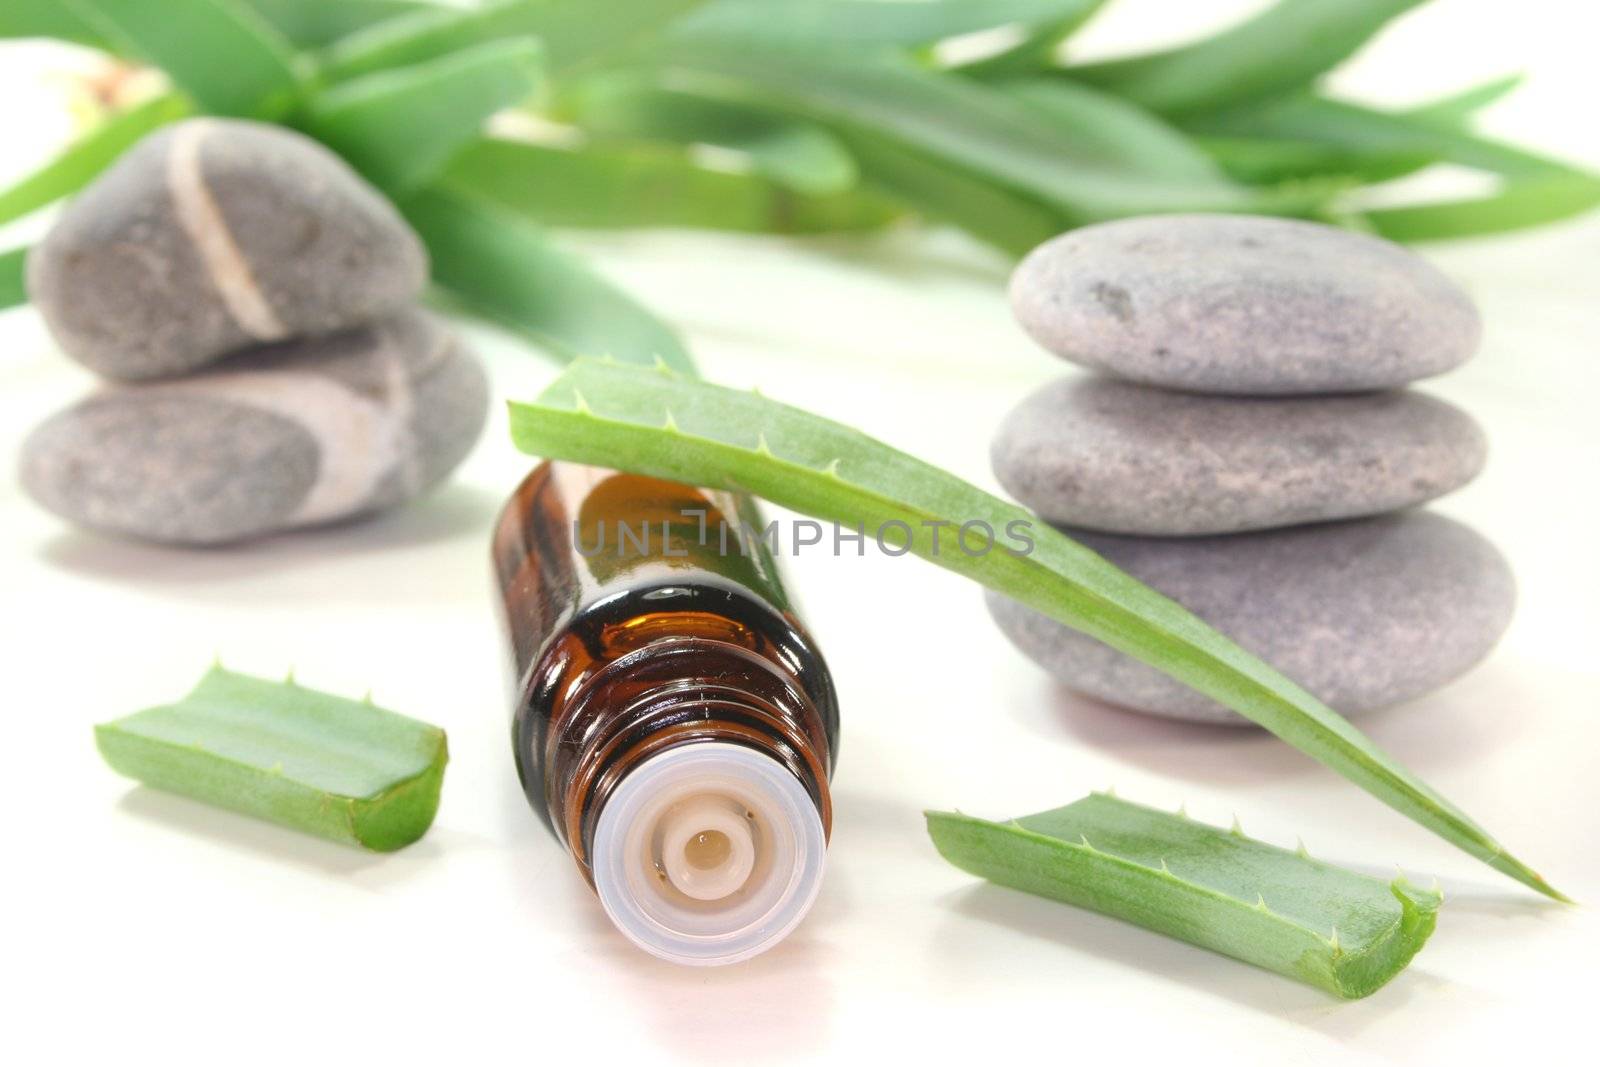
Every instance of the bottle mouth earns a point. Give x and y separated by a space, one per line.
708 853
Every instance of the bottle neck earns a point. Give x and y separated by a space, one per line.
668 694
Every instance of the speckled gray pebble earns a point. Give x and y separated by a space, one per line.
1364 614
279 436
211 235
1242 304
1106 455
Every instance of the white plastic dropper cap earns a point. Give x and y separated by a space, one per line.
708 853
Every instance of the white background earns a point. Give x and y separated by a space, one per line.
142 926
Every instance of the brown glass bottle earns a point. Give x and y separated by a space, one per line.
659 662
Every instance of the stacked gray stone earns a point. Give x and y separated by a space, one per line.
248 299
1247 448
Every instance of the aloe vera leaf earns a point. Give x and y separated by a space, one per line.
13 287
1269 160
1519 204
506 269
92 153
581 35
802 155
426 34
1113 132
961 123
1367 129
1457 108
226 57
609 186
317 23
659 423
1323 925
400 127
51 19
341 769
1285 47
941 192
875 22
1036 52
574 34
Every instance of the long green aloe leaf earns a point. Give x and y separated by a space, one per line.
341 769
575 33
658 423
400 127
315 23
52 19
802 155
424 35
1270 159
1010 221
1112 132
220 52
876 22
1519 204
506 269
83 161
1036 51
13 287
1285 47
1323 925
960 122
638 185
1458 107
1358 127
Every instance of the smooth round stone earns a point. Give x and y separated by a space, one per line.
1243 304
211 235
1364 614
1107 455
280 436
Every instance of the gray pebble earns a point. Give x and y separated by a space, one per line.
211 235
1364 614
275 437
1106 455
1242 304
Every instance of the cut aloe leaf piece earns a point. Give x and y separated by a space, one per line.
1315 922
341 769
658 423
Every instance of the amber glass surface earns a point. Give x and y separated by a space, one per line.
641 615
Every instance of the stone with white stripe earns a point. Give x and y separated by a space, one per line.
211 235
275 437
